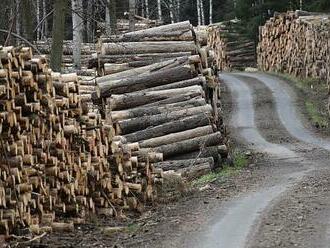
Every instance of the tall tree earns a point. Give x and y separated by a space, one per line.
111 16
159 8
211 12
27 14
77 25
60 7
132 6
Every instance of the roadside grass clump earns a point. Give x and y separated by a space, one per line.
240 161
317 119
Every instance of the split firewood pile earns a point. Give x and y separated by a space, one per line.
296 43
59 160
171 105
87 50
233 49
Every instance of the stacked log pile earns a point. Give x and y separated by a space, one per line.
296 43
87 51
59 160
170 107
233 49
140 48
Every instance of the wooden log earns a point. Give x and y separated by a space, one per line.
186 146
178 125
132 100
136 124
180 164
196 171
144 111
216 152
181 31
176 137
142 82
148 47
144 70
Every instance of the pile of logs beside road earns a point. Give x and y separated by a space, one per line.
171 105
140 48
59 159
296 43
233 48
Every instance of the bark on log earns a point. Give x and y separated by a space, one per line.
180 164
181 31
131 100
176 137
217 152
170 127
142 82
144 111
148 47
145 70
136 124
186 146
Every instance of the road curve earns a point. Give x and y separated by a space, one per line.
285 106
235 224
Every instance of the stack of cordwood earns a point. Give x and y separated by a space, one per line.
88 50
233 49
297 43
170 107
59 160
145 47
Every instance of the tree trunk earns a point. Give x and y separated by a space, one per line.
171 11
38 19
45 24
159 8
111 17
202 12
27 19
198 12
146 4
18 19
132 6
211 12
178 125
77 25
58 35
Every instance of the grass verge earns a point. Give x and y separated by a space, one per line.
313 93
240 161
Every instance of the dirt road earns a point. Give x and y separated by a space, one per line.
291 208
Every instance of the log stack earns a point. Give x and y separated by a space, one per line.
233 48
297 43
145 47
170 107
87 51
59 160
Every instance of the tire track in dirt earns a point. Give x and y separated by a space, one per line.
239 217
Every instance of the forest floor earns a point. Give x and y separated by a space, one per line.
276 194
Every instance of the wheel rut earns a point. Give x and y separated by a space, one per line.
266 120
